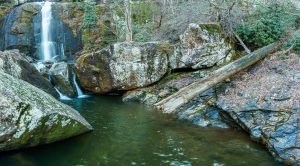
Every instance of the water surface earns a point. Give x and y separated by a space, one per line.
132 134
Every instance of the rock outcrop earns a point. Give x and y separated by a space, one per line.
201 111
264 101
61 77
123 66
21 29
17 28
201 46
30 117
13 63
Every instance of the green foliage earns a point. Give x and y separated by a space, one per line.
294 42
266 25
90 16
142 33
297 44
143 11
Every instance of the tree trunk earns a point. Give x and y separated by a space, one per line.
128 21
186 94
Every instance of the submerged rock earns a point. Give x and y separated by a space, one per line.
61 77
123 66
13 63
30 117
201 46
265 103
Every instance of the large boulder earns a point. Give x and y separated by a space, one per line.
61 77
30 117
123 66
13 63
201 46
264 101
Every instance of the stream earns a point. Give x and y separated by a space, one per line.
133 134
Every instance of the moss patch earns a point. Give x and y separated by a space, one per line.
95 38
212 28
4 9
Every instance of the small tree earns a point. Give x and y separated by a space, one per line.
128 20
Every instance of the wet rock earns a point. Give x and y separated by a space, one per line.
201 46
123 66
296 77
61 77
13 63
21 29
270 111
201 111
17 28
30 117
43 68
140 96
277 128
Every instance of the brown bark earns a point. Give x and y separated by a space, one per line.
186 94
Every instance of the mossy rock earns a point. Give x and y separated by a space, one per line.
30 117
4 10
24 19
212 27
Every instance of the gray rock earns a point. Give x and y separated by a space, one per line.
123 66
61 77
201 111
21 29
30 117
140 96
277 128
201 46
13 63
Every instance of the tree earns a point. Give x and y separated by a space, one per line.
128 20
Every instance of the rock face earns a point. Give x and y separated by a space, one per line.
13 63
265 102
21 29
201 111
123 66
17 28
201 46
30 117
61 77
100 36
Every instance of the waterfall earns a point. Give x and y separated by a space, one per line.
62 50
48 47
62 96
80 94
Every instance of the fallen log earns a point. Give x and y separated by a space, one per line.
186 94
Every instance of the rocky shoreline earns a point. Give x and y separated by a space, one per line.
263 100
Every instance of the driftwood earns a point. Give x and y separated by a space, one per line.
186 94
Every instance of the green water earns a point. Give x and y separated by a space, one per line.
131 134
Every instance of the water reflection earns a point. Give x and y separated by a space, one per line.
131 134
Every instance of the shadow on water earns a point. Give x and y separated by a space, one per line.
132 134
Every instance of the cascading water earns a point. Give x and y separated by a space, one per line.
62 96
48 47
80 94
